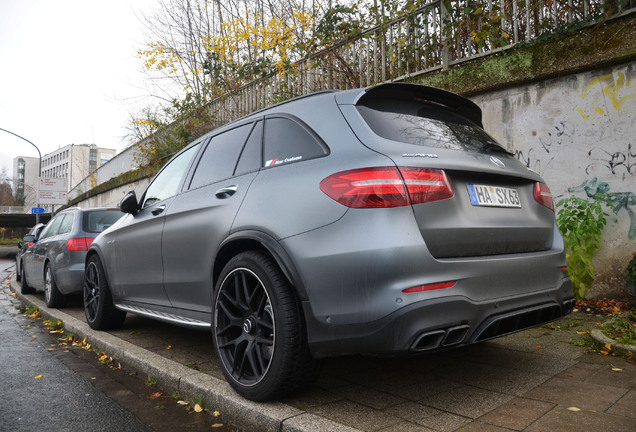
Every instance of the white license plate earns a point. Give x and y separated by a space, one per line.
493 196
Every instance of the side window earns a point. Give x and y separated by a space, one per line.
250 159
220 156
287 141
51 228
67 224
168 180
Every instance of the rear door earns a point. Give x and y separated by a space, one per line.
201 217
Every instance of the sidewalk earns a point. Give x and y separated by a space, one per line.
531 381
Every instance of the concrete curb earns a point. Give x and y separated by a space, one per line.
191 384
600 338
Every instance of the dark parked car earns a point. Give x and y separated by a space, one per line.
368 221
27 241
55 262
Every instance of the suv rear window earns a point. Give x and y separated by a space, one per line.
423 123
98 221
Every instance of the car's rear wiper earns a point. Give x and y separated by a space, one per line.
491 145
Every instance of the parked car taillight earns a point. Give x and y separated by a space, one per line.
381 187
79 244
542 195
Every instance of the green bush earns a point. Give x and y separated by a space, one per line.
581 222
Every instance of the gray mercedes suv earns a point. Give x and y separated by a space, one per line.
381 221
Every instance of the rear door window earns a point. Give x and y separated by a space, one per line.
67 224
287 140
220 157
424 124
52 227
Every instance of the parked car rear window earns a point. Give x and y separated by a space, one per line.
423 124
98 221
220 157
287 141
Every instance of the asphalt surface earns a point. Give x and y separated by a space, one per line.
535 380
39 392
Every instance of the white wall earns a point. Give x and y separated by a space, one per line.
579 133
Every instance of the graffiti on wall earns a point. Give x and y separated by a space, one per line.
616 163
616 201
617 90
598 138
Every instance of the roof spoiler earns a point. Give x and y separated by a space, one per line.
443 98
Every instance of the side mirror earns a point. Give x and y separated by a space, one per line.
20 244
129 203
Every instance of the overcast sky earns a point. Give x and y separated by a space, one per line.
69 73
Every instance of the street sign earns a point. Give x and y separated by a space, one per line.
37 210
52 191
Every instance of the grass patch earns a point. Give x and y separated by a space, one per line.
621 328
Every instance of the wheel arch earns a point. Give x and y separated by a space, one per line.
257 240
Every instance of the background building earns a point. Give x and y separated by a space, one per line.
73 162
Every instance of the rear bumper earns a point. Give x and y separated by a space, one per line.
440 323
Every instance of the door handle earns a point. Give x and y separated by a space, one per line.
158 210
226 192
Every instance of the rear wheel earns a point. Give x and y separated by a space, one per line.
259 331
100 311
24 286
52 296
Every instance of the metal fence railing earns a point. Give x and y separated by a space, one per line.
437 35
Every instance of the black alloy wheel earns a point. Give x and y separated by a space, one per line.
259 331
101 313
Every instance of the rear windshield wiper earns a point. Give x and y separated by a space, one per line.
491 145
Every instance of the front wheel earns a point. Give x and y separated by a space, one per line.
100 311
259 331
52 295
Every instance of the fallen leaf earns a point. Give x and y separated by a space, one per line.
197 408
169 347
217 425
575 409
182 402
38 376
156 395
615 369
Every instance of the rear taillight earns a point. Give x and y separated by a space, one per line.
382 187
542 195
29 244
79 244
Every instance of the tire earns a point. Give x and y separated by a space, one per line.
259 331
52 296
100 311
24 286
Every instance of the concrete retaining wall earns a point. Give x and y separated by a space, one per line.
579 133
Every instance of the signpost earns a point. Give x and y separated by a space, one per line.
52 190
37 210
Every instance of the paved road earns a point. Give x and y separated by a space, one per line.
39 392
